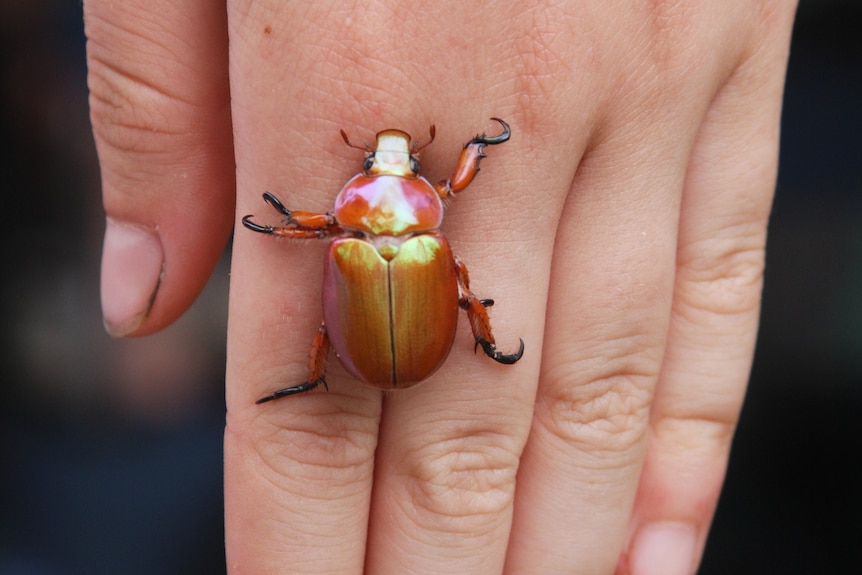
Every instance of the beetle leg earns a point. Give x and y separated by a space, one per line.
316 368
302 225
296 233
468 162
480 323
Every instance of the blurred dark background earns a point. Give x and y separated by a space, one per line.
110 451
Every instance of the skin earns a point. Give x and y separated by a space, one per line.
621 232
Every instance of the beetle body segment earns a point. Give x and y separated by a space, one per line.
387 205
391 321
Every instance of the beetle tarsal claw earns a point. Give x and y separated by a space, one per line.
505 358
246 221
301 388
493 140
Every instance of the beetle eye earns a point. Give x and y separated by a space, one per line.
368 162
414 165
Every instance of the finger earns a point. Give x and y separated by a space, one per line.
161 119
298 471
611 293
728 193
449 448
604 333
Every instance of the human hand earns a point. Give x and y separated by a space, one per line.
621 232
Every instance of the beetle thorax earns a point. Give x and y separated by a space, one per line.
388 205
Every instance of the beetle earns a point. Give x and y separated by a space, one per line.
392 286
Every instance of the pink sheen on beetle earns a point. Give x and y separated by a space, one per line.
389 205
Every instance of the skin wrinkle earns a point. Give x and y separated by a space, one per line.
114 36
733 288
439 469
114 121
710 344
329 440
585 414
132 181
150 159
120 99
162 60
302 519
106 87
453 496
347 473
714 428
467 473
272 477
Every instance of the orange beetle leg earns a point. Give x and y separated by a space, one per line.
480 323
468 162
301 225
316 368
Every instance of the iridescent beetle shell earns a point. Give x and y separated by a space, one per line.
392 286
395 285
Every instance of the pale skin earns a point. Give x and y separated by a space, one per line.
621 232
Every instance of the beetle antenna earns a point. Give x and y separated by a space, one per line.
365 148
417 147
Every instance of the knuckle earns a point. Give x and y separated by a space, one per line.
146 103
336 448
696 432
128 113
604 416
726 279
472 475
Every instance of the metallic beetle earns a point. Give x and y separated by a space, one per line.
392 286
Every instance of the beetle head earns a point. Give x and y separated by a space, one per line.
392 156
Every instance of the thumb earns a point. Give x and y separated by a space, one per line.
160 109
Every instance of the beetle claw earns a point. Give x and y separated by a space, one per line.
493 140
279 207
301 388
246 221
275 203
504 358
